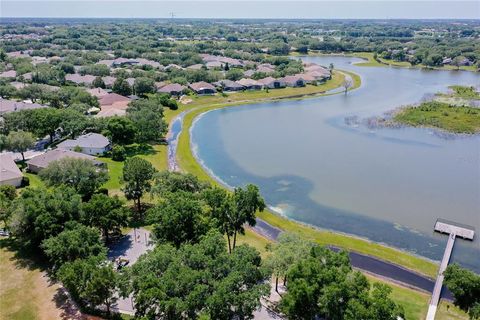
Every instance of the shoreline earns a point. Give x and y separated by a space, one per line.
370 62
377 250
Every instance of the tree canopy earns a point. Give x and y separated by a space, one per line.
80 174
196 279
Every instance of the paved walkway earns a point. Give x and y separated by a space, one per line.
370 264
130 247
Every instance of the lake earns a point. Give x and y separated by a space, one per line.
315 165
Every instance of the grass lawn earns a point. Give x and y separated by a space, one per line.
25 290
457 119
415 303
156 155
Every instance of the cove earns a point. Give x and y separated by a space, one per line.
388 185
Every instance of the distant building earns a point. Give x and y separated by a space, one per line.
7 106
203 87
40 162
113 104
109 81
10 74
10 174
272 83
79 79
250 84
98 92
174 89
90 143
293 81
229 85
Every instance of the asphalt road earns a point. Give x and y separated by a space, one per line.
371 265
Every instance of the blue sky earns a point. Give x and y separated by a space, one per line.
313 9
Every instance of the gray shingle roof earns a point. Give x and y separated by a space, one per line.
89 140
43 160
8 168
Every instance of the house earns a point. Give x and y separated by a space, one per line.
272 83
97 92
90 143
214 65
174 89
173 66
7 106
10 74
293 81
40 162
197 66
249 73
202 87
266 68
113 104
10 174
229 85
109 81
120 62
319 75
27 76
250 84
307 77
79 79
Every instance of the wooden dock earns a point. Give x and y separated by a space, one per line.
453 230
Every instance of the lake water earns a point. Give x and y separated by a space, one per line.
385 184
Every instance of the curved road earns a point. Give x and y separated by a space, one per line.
370 264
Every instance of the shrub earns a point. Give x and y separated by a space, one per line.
118 153
25 181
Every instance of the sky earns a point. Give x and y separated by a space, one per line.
271 9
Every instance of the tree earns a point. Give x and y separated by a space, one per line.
324 285
46 121
330 68
465 286
347 84
74 122
7 91
33 92
143 86
234 74
137 174
75 242
232 211
179 219
3 142
105 213
147 116
20 141
246 202
80 174
7 195
98 83
121 130
41 213
122 87
91 281
202 278
166 182
289 249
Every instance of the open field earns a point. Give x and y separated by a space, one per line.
26 292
